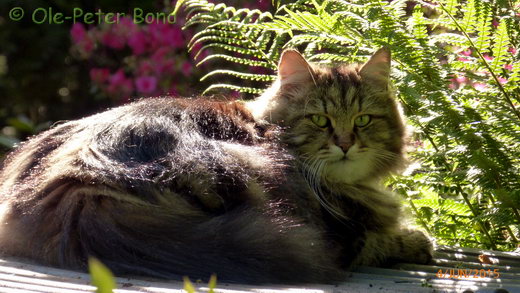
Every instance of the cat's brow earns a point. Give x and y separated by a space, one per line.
349 97
324 105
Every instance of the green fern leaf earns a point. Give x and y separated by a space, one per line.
467 23
344 58
483 28
218 33
246 76
242 89
450 38
452 6
514 77
417 24
238 60
500 46
229 48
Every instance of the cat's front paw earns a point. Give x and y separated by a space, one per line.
414 246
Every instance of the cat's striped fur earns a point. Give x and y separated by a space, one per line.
254 192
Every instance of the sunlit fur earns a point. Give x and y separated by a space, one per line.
254 192
340 94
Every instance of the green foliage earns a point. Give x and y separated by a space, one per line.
190 288
101 276
455 71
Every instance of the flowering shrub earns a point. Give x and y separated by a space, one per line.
468 56
130 60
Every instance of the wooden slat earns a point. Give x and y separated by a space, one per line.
18 275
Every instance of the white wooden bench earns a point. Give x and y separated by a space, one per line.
470 270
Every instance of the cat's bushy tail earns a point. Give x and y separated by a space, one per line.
73 222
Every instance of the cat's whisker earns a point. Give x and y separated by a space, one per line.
316 168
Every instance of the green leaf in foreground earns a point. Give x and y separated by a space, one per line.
212 284
101 276
188 286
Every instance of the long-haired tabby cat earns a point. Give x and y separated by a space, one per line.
284 188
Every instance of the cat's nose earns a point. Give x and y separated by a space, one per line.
344 142
345 147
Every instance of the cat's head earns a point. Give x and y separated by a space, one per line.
342 122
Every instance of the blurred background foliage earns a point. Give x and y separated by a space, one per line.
456 70
51 72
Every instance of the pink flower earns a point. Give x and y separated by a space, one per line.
264 5
77 32
512 50
160 54
120 85
466 52
461 79
125 89
87 46
138 42
508 67
495 23
167 66
113 40
502 80
487 57
187 68
99 75
164 34
173 91
126 26
463 59
261 5
145 68
146 84
480 86
174 37
117 78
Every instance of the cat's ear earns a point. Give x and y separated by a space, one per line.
293 68
377 69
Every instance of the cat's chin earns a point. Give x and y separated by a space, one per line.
346 171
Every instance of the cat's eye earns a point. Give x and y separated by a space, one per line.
320 120
362 120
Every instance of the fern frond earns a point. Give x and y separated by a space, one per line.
467 23
322 40
500 47
225 35
332 57
241 75
449 38
311 22
238 60
417 25
514 77
242 89
483 27
229 48
452 6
